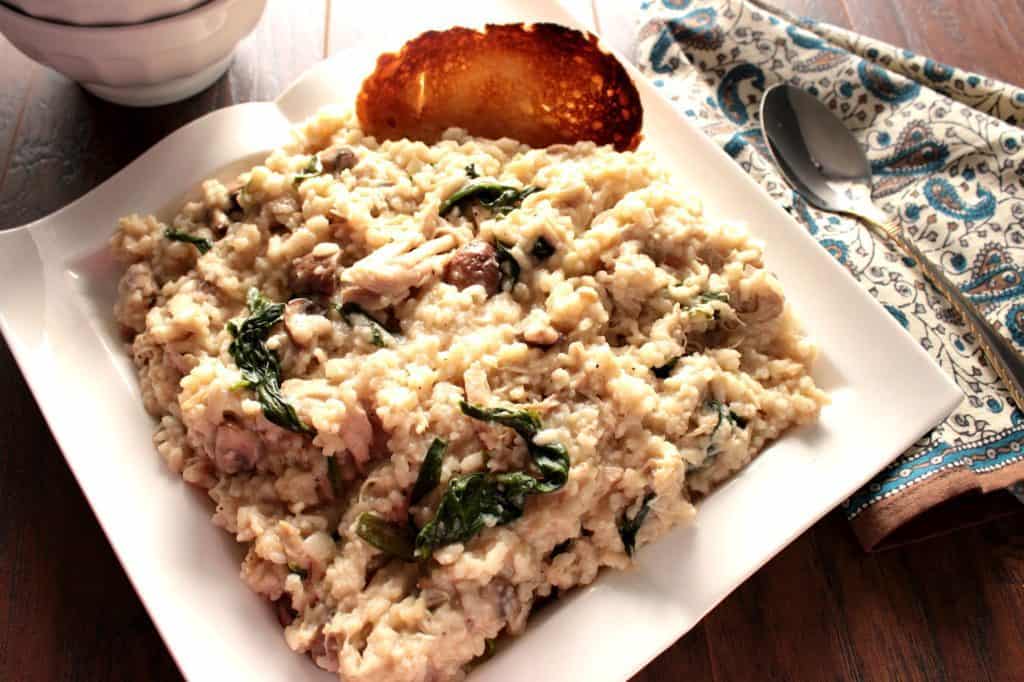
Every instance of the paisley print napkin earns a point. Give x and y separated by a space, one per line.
948 158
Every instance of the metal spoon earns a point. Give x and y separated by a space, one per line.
822 160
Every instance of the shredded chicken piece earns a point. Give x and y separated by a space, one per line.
395 268
357 432
761 298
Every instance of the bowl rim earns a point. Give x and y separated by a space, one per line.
140 17
14 14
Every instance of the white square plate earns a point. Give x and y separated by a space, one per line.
55 310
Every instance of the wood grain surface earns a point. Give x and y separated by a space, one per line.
950 608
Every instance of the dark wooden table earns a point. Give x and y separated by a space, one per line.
951 608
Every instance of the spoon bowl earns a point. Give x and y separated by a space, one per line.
816 152
826 165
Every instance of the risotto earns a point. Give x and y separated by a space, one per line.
429 385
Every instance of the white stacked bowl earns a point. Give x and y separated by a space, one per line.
103 12
158 60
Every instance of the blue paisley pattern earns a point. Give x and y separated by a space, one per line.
944 198
730 98
886 86
741 139
937 72
1015 322
947 160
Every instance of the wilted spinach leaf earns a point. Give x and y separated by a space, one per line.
202 245
260 369
508 266
430 471
629 527
524 422
472 502
501 199
551 460
390 538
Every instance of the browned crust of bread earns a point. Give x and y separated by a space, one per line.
540 84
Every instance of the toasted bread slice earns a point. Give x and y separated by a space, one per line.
540 84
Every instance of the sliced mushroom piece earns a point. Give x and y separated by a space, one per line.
474 263
337 159
316 272
510 608
303 320
235 208
285 613
236 449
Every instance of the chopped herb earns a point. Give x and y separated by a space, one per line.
724 415
524 422
542 249
378 332
664 371
704 300
629 527
390 538
430 471
313 168
259 365
708 296
508 266
501 199
471 172
202 245
720 409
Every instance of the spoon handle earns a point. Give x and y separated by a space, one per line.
1007 362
